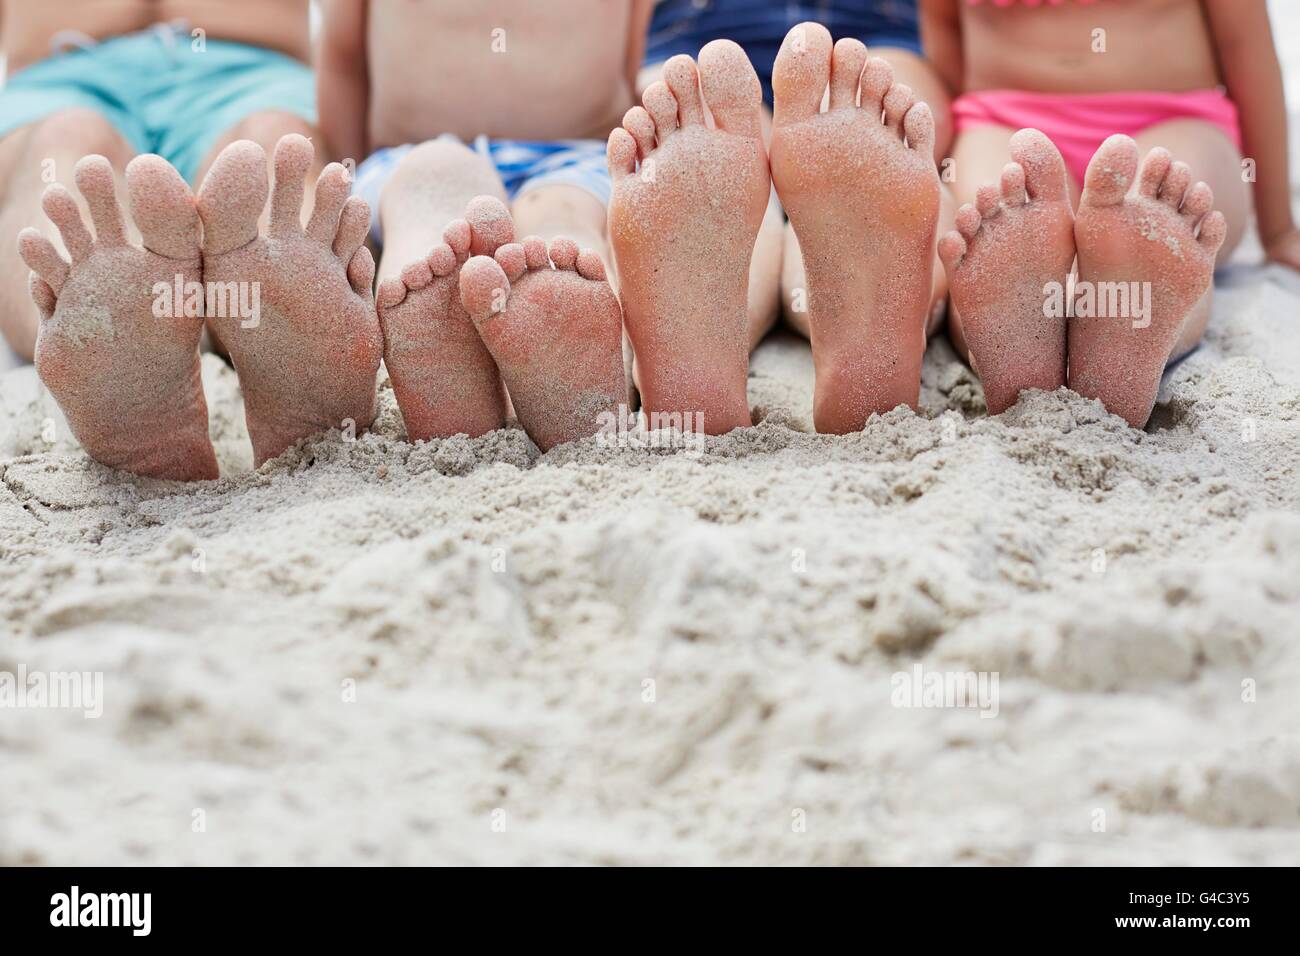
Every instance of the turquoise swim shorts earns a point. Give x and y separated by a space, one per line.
165 91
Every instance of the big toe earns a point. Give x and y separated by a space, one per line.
484 288
162 206
232 197
731 88
490 225
1111 172
1045 176
801 73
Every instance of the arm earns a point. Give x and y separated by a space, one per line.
343 80
1243 41
639 27
941 38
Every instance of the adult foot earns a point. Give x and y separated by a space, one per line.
683 228
556 334
444 378
1152 253
1008 265
304 337
863 196
115 348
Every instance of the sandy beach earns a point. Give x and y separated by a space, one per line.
465 651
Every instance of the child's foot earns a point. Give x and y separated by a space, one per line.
863 197
115 348
683 230
556 334
443 376
1007 248
307 351
1148 242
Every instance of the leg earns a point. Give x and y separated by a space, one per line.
561 211
265 128
30 159
1215 161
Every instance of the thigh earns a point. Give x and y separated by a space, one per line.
1215 159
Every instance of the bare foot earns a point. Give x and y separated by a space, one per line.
683 230
444 378
1006 250
556 334
122 363
1148 241
308 352
863 196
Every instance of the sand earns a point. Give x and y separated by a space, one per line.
379 652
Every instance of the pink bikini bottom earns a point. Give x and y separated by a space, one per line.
1079 123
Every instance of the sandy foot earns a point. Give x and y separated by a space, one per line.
123 367
1015 242
555 333
1148 241
445 380
308 354
683 228
863 197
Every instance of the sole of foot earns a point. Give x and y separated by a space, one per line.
862 194
115 347
687 205
304 338
1002 261
1156 244
444 378
555 329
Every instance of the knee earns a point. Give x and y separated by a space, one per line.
82 131
266 128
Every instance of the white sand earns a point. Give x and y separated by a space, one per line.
499 613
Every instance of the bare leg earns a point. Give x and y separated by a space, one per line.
32 158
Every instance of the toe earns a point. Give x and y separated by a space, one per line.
535 253
564 253
1176 184
801 73
1045 175
64 212
683 79
1154 170
361 273
662 107
1013 185
918 128
42 258
620 154
391 292
484 288
731 88
877 78
988 200
1213 231
162 206
1196 204
968 221
1110 172
847 60
354 224
490 225
333 187
416 275
94 176
638 122
293 157
442 261
457 236
42 295
898 101
512 260
590 266
232 197
952 248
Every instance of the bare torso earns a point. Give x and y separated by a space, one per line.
29 25
555 69
1149 45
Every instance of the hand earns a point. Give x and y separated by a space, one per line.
1285 249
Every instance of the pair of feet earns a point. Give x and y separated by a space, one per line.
118 344
859 185
1151 250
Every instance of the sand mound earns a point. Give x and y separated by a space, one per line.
466 651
